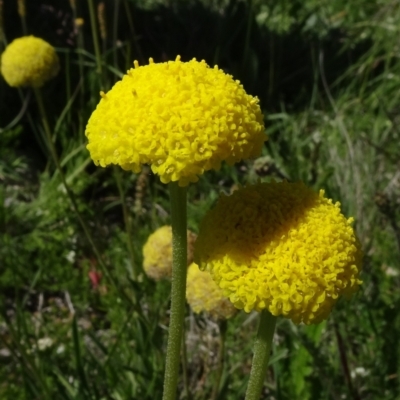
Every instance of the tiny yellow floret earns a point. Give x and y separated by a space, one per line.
182 118
203 295
29 61
157 252
281 247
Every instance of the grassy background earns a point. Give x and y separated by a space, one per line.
328 77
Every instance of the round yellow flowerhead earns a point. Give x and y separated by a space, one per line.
203 295
29 61
157 252
182 118
281 247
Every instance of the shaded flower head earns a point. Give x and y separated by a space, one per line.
29 61
281 247
157 252
182 118
203 295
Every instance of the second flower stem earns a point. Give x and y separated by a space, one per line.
178 289
262 349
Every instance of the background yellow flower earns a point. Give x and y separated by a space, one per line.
204 295
29 61
157 252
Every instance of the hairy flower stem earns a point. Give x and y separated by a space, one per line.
221 354
262 349
178 290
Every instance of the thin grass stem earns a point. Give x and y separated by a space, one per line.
26 360
22 13
3 41
133 33
250 17
68 81
345 364
128 223
95 39
70 194
80 49
115 34
221 357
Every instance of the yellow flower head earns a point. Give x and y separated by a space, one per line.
79 22
29 61
157 252
182 118
281 247
203 294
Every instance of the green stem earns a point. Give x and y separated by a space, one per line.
128 224
115 35
95 39
262 349
28 364
24 27
248 33
133 33
222 332
178 290
70 194
3 41
80 48
68 82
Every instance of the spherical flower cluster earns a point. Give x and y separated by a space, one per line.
281 247
203 295
182 118
29 61
157 252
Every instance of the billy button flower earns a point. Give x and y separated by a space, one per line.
204 295
281 249
29 61
157 253
182 119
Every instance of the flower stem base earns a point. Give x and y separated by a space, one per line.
262 349
178 289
